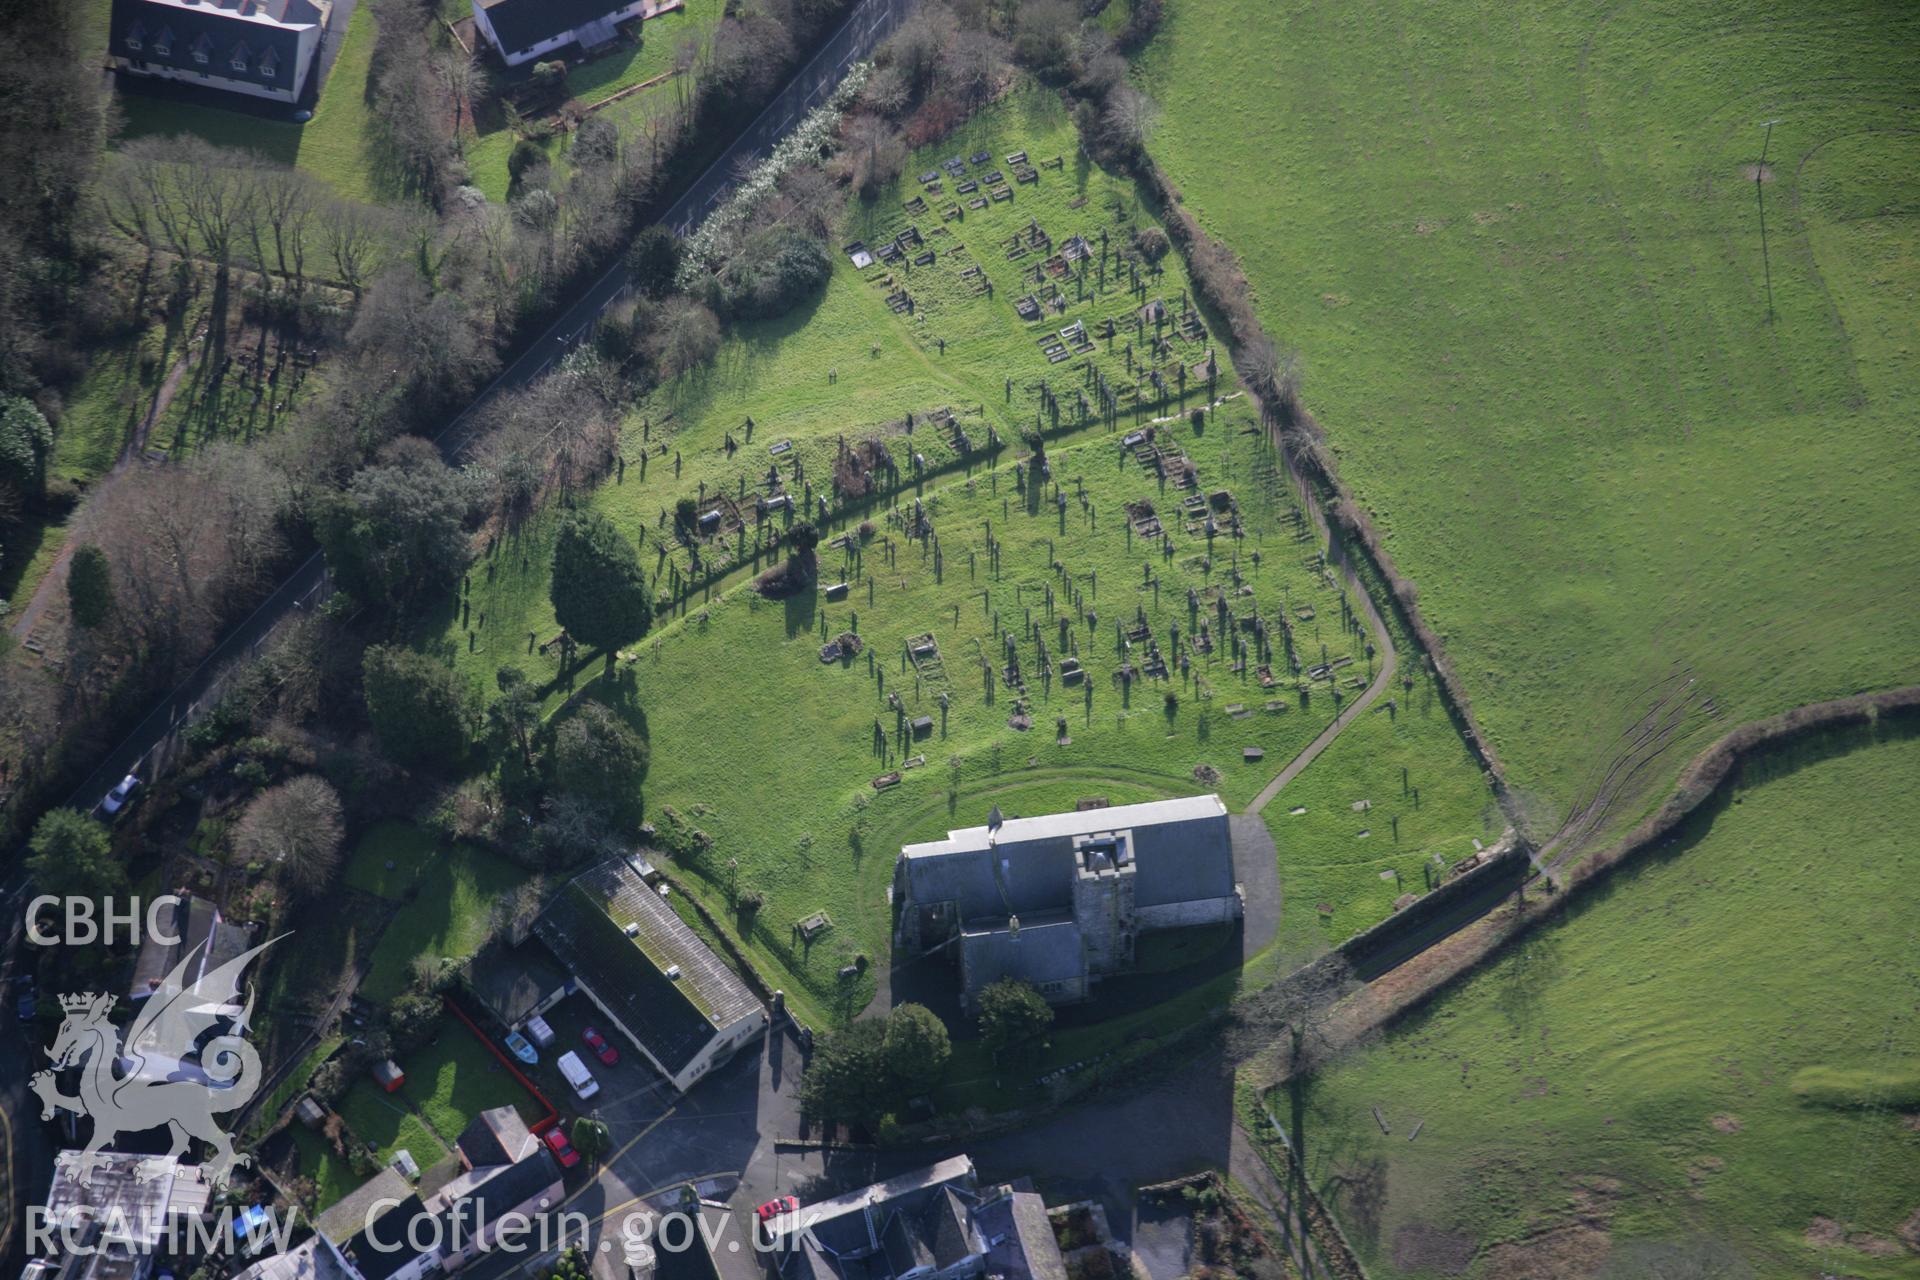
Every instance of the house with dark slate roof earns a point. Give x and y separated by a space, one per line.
261 48
523 30
190 926
496 1136
651 975
414 1237
1061 900
932 1224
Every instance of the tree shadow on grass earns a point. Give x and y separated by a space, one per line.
801 608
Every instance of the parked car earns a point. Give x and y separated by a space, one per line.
584 1085
26 1001
774 1208
116 800
522 1048
598 1043
562 1149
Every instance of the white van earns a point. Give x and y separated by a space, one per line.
584 1085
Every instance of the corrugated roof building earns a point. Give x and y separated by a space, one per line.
649 973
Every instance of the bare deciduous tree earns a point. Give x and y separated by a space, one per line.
186 545
683 336
354 237
552 437
297 828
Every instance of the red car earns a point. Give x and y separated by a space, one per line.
562 1149
598 1043
774 1208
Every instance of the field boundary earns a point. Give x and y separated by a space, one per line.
1435 970
1300 440
545 1122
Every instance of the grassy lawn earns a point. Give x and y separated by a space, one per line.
1518 250
1637 1060
487 150
386 1121
335 146
1425 806
332 1175
449 1082
454 1079
447 916
389 860
733 687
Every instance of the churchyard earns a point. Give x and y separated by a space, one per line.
1138 610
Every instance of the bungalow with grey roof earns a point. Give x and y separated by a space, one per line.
523 30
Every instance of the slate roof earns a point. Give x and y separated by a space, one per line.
842 1223
1182 851
391 1229
700 1260
934 1234
202 923
497 1136
1048 949
510 981
494 1193
318 1259
521 24
265 33
140 1208
1020 1241
919 1220
673 1019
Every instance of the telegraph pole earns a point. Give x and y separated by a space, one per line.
1760 193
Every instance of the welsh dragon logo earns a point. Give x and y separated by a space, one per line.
164 1074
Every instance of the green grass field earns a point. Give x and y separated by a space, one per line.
449 1082
732 689
454 1079
1427 807
1518 249
453 890
1641 1059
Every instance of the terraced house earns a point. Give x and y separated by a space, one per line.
262 48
